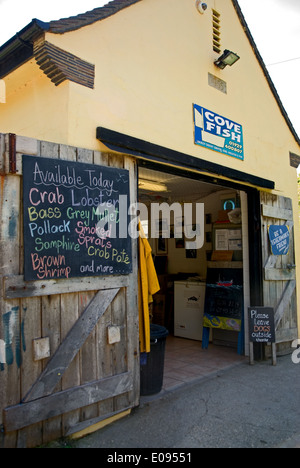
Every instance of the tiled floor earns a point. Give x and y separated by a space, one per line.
185 361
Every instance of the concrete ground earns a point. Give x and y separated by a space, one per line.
239 407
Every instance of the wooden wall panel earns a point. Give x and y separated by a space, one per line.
50 309
279 273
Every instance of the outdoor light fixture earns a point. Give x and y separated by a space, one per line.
227 58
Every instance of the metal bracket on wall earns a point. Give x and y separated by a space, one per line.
12 154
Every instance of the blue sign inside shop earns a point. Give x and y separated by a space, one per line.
218 133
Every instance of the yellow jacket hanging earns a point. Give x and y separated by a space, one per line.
148 286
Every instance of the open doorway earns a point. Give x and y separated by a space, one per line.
204 291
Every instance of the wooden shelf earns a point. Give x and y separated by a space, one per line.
225 265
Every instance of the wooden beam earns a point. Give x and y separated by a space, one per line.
251 354
68 349
15 286
279 274
286 334
274 357
152 152
276 212
284 302
92 425
25 414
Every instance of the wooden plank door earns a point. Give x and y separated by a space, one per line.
86 376
279 283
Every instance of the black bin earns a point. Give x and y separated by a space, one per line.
152 364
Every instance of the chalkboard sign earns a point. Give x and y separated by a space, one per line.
261 325
224 298
75 219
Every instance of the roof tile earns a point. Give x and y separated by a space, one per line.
75 22
60 65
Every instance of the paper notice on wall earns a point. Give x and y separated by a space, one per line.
221 239
235 244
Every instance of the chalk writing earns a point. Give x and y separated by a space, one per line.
72 219
261 325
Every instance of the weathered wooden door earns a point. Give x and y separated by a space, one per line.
279 283
69 348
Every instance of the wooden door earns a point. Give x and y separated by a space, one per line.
279 280
61 368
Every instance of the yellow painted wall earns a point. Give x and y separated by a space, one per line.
152 62
34 106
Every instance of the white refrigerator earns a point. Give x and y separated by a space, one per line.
189 299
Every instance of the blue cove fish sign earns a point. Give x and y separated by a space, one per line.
280 239
218 133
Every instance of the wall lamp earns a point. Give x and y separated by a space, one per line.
227 58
